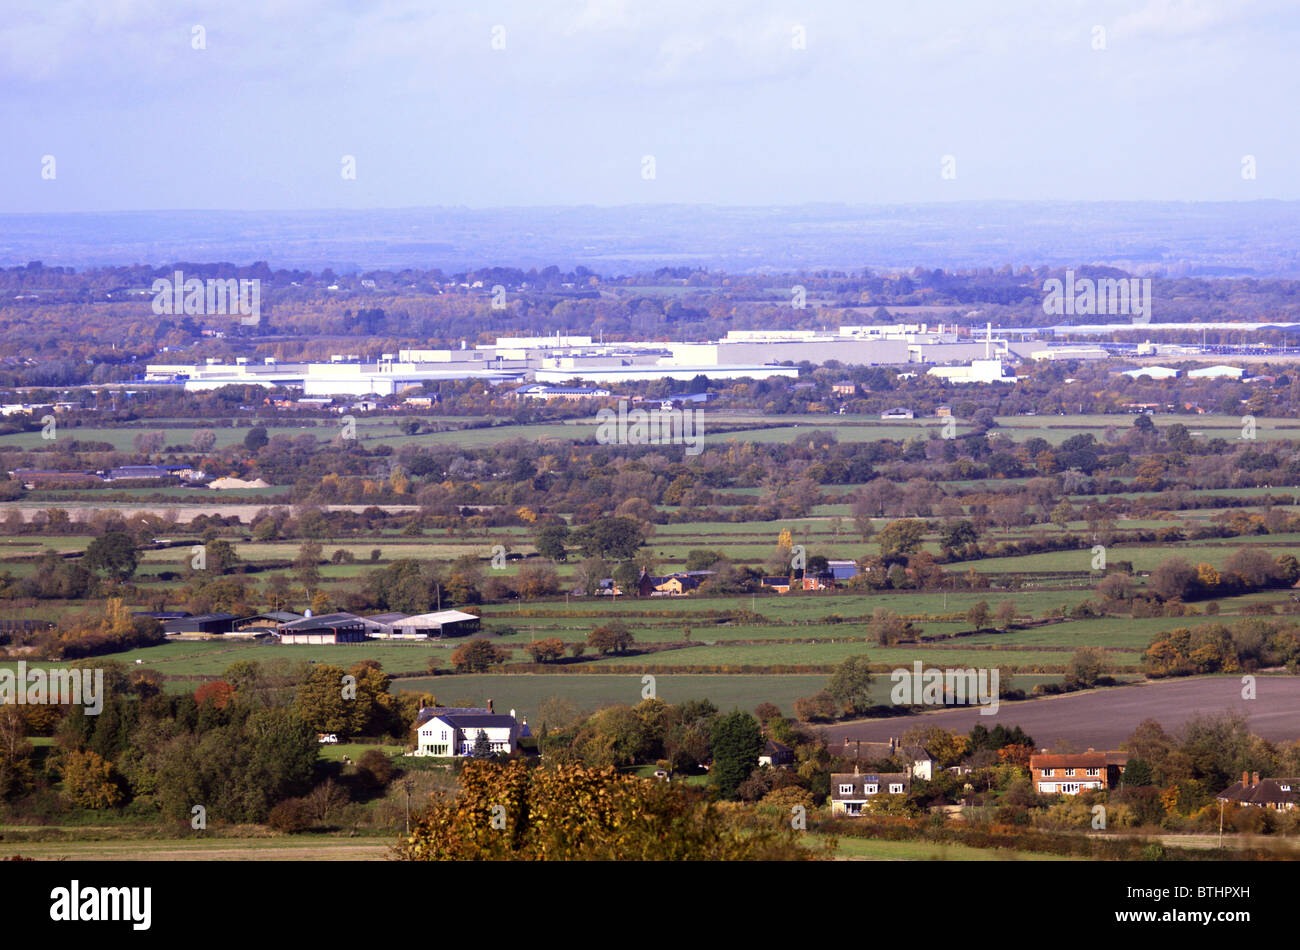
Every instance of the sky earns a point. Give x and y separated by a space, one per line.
256 104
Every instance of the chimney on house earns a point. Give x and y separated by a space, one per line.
855 769
1245 780
1254 778
489 705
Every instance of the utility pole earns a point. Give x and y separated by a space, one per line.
407 787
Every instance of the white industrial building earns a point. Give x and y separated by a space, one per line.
564 357
1217 372
1152 372
1053 353
979 371
633 374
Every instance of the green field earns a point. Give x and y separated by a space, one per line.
872 849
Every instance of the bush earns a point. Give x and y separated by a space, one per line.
375 768
290 816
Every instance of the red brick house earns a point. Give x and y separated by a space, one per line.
1070 774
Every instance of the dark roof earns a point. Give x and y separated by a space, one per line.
324 620
881 779
476 720
428 712
772 747
139 471
206 618
885 750
1267 791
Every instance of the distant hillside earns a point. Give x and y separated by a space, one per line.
1181 239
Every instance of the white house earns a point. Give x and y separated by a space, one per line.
455 735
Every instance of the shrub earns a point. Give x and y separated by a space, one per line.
290 816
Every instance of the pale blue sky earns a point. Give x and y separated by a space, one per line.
713 89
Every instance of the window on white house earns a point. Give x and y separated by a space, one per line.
872 789
846 789
895 789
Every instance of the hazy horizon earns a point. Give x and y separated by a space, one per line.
1258 238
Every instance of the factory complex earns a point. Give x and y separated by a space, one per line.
953 352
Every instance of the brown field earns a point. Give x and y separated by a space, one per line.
1105 718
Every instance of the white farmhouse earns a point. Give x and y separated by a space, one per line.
455 734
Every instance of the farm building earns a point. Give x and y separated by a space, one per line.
153 472
327 628
267 622
842 570
382 626
442 623
201 623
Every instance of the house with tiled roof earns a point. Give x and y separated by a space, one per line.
919 761
776 754
851 792
1280 794
1072 773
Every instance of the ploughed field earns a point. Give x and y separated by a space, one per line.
1103 719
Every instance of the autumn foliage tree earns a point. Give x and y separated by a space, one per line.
575 813
88 780
546 651
477 656
218 692
611 637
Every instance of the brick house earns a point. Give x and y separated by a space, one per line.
1070 774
